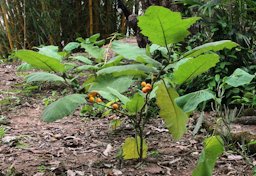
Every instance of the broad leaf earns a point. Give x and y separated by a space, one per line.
71 46
239 78
24 67
43 76
121 84
51 51
175 119
40 61
132 69
131 148
87 67
213 148
133 52
213 46
94 38
113 62
118 95
94 51
193 67
63 107
189 102
135 104
163 26
82 59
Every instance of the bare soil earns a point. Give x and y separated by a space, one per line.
75 146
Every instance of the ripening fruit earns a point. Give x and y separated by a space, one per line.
149 86
146 89
98 100
92 94
143 84
115 106
91 99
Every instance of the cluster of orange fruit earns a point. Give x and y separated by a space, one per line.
92 98
146 87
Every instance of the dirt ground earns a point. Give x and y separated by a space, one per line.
75 146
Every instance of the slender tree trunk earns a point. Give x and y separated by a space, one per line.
91 17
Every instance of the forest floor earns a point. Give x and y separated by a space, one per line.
77 146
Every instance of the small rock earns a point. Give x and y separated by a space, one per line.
9 139
117 172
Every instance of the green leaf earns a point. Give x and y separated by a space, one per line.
132 69
192 67
51 51
113 62
189 102
131 148
118 95
24 67
133 52
71 46
212 46
94 51
175 119
135 104
239 78
43 76
94 38
82 59
40 61
213 148
121 84
63 107
163 26
87 67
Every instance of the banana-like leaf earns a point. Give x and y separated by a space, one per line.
189 68
212 46
131 148
43 76
82 59
63 107
239 78
132 69
40 61
133 52
189 102
175 119
213 148
163 26
118 95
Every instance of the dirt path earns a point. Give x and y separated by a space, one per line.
75 146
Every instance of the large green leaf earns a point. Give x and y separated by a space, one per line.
133 52
40 61
193 67
63 107
82 59
94 51
213 148
163 26
118 95
132 69
175 119
51 51
43 76
213 46
24 67
239 78
189 102
131 148
121 84
135 104
71 46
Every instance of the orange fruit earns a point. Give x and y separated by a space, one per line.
115 106
91 99
149 86
92 94
98 100
143 84
146 89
